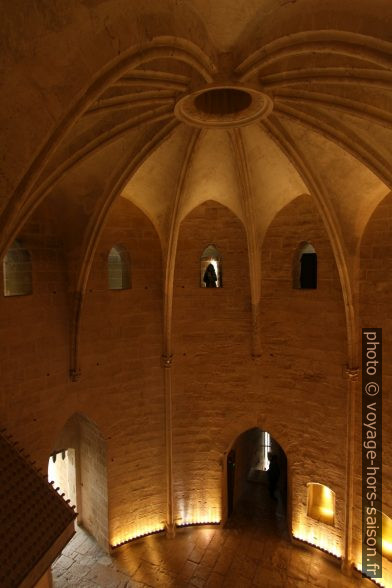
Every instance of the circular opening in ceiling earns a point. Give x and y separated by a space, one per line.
223 101
223 106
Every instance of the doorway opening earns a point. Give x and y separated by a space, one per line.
256 480
77 467
62 472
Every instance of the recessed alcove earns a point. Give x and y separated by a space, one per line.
321 503
386 542
17 270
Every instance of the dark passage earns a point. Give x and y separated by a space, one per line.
257 482
308 277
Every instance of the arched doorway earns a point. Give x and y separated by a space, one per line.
77 466
256 480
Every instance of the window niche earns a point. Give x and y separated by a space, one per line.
119 268
321 503
211 268
17 271
305 268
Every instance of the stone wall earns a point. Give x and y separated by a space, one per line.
121 386
94 482
296 390
34 331
304 342
375 311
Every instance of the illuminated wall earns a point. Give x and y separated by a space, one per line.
219 391
295 391
120 354
62 471
375 299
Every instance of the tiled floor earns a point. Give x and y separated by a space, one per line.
251 552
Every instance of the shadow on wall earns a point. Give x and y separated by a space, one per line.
78 467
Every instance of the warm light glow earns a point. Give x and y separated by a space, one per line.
319 537
326 511
137 533
198 522
386 547
62 472
386 550
191 515
386 536
379 581
321 503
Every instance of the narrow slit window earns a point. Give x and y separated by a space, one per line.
119 268
305 268
211 268
321 503
17 271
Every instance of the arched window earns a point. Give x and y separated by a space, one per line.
305 267
17 271
119 268
211 268
321 503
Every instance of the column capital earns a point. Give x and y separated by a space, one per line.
352 374
167 360
74 374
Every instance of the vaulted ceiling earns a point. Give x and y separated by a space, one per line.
89 113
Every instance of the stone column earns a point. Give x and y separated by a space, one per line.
167 361
352 375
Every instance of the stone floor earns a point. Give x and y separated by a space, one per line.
252 551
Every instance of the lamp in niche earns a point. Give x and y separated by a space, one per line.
211 268
386 542
321 503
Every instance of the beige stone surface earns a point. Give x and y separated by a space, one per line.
167 374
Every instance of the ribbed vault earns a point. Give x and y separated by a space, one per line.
104 84
328 135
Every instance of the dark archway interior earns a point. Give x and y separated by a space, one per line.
257 481
308 277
